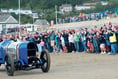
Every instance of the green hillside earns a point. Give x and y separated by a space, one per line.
48 7
39 4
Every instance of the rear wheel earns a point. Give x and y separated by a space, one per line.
45 57
9 65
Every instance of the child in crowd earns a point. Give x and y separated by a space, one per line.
102 48
42 43
102 43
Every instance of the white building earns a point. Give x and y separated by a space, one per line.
39 23
90 4
7 21
16 11
83 7
66 8
104 2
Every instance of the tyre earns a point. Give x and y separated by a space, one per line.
9 65
45 57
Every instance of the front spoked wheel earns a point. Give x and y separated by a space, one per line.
45 57
9 65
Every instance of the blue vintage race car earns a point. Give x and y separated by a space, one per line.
22 56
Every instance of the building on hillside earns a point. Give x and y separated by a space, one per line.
40 22
7 22
16 11
41 25
83 7
66 8
90 4
104 2
94 3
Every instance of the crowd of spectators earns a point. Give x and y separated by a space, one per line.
88 17
102 40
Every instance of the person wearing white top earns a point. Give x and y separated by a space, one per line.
62 41
71 38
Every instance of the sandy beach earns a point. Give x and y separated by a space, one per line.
73 66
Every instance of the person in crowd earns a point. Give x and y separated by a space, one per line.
32 39
66 40
76 41
42 43
56 35
63 43
82 39
102 43
4 37
52 40
86 33
59 43
113 41
90 44
96 42
71 42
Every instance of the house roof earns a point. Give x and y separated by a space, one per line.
7 18
3 18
